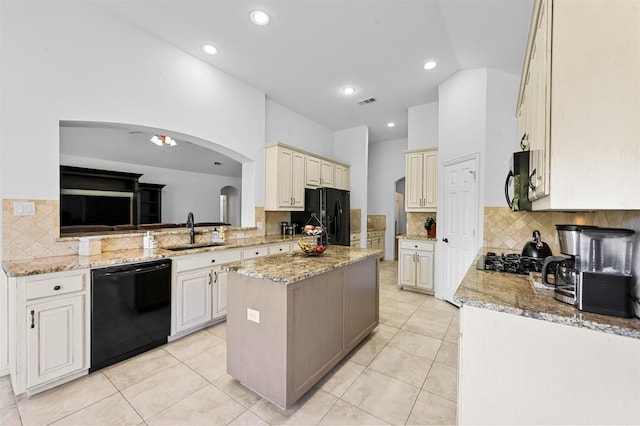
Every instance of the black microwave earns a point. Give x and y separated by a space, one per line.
517 182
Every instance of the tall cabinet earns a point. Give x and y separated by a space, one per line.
284 178
579 104
421 170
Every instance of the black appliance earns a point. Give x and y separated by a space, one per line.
519 176
512 263
333 208
130 310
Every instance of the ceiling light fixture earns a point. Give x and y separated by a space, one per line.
161 140
348 90
260 17
391 124
210 49
429 65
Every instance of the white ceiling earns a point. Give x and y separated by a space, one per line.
313 48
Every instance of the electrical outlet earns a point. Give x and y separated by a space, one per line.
253 315
24 208
240 235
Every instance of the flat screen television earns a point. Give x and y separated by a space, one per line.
87 207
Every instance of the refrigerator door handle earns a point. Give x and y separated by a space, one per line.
338 220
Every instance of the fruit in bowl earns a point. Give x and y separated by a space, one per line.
310 248
313 230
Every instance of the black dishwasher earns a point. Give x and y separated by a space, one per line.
130 310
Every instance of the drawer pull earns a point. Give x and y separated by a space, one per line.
257 253
213 261
56 288
33 319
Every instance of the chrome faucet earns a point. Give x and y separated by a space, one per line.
191 225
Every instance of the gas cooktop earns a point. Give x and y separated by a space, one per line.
511 262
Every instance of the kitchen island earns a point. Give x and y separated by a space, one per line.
291 318
528 358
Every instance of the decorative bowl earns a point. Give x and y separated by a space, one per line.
311 249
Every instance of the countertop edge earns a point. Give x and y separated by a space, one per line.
573 322
508 293
51 264
254 268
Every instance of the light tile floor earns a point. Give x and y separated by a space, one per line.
405 372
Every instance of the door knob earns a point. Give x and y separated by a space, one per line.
446 240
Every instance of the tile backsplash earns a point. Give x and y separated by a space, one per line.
415 222
354 220
377 221
511 230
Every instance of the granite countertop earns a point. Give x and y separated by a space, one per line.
415 237
295 266
517 295
46 265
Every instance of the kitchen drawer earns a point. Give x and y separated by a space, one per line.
206 260
254 252
417 245
279 248
55 284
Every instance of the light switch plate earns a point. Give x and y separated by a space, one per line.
253 315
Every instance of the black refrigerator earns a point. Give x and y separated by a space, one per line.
332 207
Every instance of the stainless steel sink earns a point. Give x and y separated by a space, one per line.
193 246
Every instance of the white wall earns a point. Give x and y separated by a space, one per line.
289 127
68 61
184 191
386 166
423 126
462 114
502 133
351 146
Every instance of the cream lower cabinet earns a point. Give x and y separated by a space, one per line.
376 240
49 329
200 285
415 265
200 290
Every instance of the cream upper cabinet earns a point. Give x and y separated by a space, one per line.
313 170
341 177
284 179
319 172
421 168
326 175
579 105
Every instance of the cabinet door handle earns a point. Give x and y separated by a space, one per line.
33 319
446 240
531 185
215 280
209 278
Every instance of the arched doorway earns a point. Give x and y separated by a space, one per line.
230 205
399 214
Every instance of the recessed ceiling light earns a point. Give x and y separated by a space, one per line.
391 124
348 90
210 49
430 65
260 17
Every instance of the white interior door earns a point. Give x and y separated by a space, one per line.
460 222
